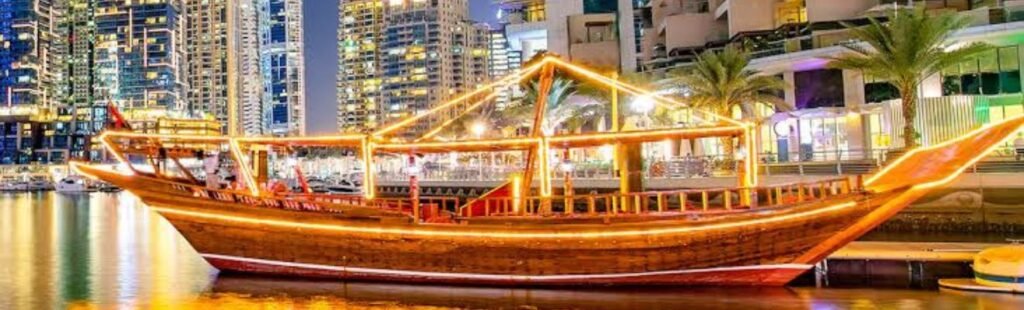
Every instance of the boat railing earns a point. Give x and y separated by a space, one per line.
701 201
665 202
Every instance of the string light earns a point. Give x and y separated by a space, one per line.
470 232
1012 124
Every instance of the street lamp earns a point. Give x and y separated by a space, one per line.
643 104
478 129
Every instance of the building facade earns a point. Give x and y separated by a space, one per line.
601 34
140 53
209 41
45 78
360 35
398 58
844 115
248 79
26 55
282 66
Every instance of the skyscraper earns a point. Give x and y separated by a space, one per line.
210 57
247 72
282 67
361 23
397 58
73 51
140 53
26 57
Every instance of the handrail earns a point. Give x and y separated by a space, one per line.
668 201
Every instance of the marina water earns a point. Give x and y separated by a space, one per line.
108 250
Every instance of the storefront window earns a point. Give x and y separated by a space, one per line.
880 139
879 90
994 72
823 139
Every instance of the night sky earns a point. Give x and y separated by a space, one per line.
321 31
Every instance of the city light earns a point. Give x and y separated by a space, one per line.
643 104
479 128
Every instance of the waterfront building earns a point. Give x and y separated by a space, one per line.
499 64
209 41
26 58
360 35
248 79
398 58
601 34
77 104
282 67
140 53
844 115
45 113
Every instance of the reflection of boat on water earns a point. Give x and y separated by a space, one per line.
461 297
523 232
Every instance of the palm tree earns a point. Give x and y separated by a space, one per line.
721 82
912 45
566 109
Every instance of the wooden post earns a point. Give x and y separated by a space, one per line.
661 202
536 158
704 199
414 189
728 199
591 207
778 195
637 204
682 202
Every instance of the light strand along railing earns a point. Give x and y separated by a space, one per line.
718 200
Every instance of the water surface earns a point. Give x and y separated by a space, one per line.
108 250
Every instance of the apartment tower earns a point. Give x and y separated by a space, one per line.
282 67
401 57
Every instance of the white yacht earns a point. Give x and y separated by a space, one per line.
349 184
73 184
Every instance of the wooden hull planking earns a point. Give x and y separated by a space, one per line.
750 248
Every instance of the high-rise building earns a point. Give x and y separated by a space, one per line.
249 80
73 48
45 79
282 67
846 115
76 103
502 61
210 47
400 57
26 58
600 34
360 34
140 53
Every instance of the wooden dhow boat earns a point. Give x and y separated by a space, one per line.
524 232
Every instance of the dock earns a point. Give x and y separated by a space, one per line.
913 251
896 264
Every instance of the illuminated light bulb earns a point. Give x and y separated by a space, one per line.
643 104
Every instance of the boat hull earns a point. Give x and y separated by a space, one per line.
763 247
765 275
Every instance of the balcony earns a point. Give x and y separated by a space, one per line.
803 37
